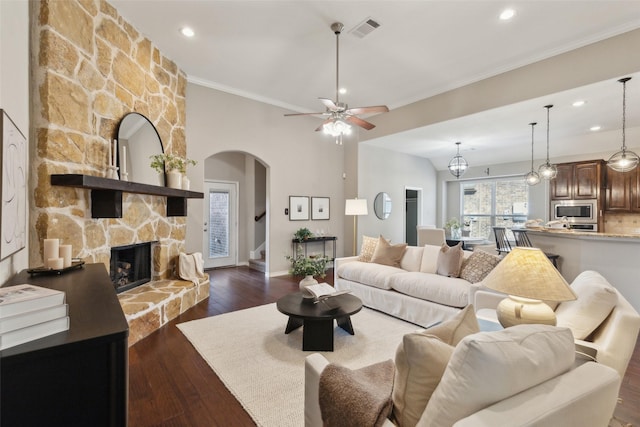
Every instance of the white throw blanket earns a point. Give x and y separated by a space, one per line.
190 267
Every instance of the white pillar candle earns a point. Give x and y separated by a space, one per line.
115 152
110 155
123 166
55 263
65 254
51 250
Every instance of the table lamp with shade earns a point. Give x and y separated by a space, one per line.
529 278
355 207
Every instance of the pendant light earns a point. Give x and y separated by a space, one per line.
623 160
532 178
547 170
458 165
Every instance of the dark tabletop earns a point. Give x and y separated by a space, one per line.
293 305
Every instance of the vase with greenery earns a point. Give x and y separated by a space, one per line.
302 234
174 166
453 225
308 268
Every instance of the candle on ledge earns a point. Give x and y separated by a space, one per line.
115 152
65 254
55 263
124 159
51 250
110 156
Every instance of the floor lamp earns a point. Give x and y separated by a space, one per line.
355 207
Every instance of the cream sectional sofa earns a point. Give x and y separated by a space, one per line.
413 292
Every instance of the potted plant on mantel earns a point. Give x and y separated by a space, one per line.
309 268
174 166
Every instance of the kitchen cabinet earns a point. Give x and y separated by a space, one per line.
577 181
622 191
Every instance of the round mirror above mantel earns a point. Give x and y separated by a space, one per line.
139 139
382 205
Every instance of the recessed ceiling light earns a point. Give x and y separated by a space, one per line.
595 128
507 14
187 32
342 90
579 103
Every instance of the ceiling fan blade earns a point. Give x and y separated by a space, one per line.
371 109
329 104
359 122
306 114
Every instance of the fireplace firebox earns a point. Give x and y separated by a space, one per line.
130 265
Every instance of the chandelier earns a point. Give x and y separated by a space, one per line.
458 165
547 170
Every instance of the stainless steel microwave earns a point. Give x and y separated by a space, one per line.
576 211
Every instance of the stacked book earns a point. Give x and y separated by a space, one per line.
29 312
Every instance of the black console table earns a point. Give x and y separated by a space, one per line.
305 242
74 378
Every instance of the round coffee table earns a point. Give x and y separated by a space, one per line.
317 319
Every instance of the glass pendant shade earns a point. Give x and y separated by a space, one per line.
547 170
336 128
624 160
458 165
532 178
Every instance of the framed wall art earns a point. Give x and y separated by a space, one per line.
298 208
13 209
319 208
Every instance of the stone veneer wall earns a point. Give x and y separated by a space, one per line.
89 68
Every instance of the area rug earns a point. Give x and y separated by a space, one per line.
264 368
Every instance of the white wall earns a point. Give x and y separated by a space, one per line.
381 170
14 95
299 162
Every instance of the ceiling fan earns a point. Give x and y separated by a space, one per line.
340 116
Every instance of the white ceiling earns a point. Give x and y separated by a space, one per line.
283 53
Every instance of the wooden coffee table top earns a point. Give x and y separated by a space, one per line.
293 305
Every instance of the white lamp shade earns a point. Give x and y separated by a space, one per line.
527 272
356 207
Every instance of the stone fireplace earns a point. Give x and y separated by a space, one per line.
130 266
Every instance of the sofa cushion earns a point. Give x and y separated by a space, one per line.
596 299
449 291
429 262
450 260
478 265
388 254
491 366
368 273
421 359
412 258
368 248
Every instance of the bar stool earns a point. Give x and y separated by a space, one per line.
523 240
502 243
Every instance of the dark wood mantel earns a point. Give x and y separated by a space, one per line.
106 194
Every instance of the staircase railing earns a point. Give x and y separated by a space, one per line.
259 217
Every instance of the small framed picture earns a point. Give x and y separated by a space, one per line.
319 208
298 208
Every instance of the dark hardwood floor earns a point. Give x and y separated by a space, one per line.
171 385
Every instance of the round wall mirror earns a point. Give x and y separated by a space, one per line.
382 205
141 139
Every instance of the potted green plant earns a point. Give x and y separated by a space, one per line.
174 166
303 234
308 268
453 225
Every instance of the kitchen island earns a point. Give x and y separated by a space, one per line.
615 256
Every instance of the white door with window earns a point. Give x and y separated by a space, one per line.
220 224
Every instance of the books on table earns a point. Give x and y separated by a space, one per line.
29 312
323 291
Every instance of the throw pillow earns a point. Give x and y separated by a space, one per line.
367 248
478 265
356 397
388 254
596 299
421 359
488 367
450 260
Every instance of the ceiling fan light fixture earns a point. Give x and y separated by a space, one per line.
547 170
624 160
458 165
336 128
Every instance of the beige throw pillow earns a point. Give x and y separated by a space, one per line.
450 260
388 254
478 265
421 359
368 247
